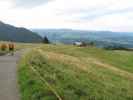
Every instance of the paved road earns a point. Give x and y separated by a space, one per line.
8 77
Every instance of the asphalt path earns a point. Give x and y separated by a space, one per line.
8 76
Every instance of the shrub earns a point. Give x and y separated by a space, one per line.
115 47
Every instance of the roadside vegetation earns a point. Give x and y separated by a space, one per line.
60 72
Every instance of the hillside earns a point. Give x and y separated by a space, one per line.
60 72
100 38
11 33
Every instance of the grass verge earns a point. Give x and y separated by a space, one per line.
59 73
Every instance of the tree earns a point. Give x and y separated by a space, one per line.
45 40
92 43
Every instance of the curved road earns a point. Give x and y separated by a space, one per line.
8 77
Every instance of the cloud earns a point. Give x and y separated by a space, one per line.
29 3
104 12
86 10
112 15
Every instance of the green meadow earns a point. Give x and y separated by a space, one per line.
63 72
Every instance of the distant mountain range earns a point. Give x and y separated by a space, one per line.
100 38
12 33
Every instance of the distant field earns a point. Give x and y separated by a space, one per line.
59 72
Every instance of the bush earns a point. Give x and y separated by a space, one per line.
115 47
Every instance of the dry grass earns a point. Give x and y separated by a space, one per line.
76 74
84 62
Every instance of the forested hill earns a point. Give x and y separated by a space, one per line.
12 33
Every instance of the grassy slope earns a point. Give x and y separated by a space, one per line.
54 72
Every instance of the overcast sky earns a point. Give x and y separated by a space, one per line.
114 15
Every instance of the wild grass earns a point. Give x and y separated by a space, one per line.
120 59
59 72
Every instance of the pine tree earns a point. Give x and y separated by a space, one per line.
45 40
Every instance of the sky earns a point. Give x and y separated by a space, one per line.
107 15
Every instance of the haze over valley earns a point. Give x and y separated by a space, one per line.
100 38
